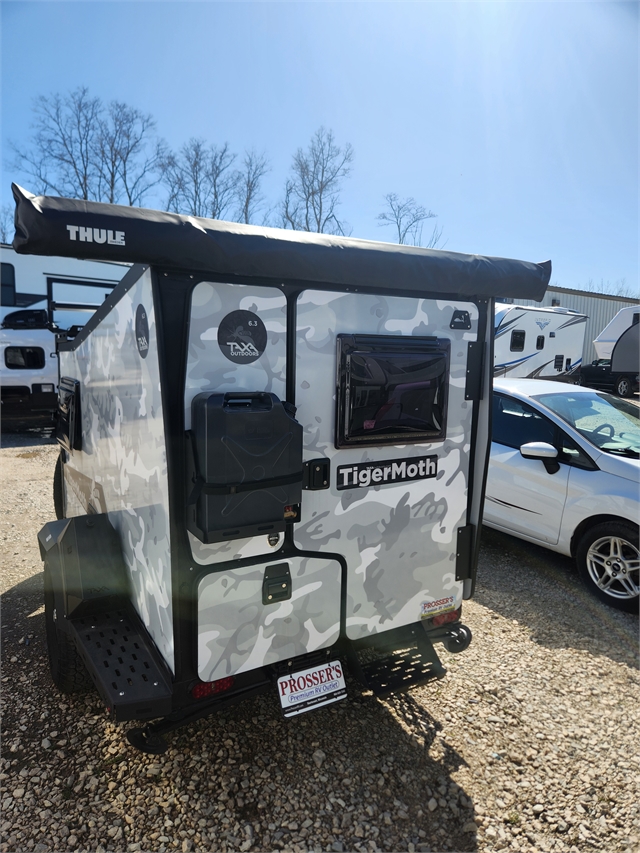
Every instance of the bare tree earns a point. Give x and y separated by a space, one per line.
611 288
199 179
312 193
408 217
6 223
250 199
82 149
127 153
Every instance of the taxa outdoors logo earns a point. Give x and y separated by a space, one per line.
95 235
367 474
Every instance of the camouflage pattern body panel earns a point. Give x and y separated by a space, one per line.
399 540
122 467
237 632
208 369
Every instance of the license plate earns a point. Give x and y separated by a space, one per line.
310 688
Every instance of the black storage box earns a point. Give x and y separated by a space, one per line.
245 470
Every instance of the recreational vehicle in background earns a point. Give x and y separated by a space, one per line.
537 343
618 349
273 455
608 337
42 296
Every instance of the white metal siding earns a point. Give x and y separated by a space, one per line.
599 308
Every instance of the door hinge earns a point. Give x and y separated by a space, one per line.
473 387
464 552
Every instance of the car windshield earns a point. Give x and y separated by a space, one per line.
610 423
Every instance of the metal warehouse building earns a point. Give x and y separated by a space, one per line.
599 308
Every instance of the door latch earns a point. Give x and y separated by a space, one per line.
276 585
316 474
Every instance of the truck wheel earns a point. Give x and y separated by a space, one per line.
58 494
609 564
67 669
623 386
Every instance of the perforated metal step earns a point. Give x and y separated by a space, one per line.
400 670
124 665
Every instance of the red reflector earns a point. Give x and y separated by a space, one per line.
443 618
207 688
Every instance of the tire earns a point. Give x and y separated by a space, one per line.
68 672
623 386
459 642
58 493
609 563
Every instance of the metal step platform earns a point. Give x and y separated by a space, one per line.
124 665
385 672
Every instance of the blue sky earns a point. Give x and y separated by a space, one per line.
515 122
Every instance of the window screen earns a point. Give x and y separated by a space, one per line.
24 358
391 390
517 340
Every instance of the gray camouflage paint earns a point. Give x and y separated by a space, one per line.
237 632
399 541
209 370
122 467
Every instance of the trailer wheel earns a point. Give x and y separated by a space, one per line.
58 494
623 386
458 641
67 669
609 563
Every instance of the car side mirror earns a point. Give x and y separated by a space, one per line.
543 451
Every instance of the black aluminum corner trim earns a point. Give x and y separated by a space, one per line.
473 388
465 553
120 290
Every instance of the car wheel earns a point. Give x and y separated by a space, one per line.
58 494
68 672
623 386
609 564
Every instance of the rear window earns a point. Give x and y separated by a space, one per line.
24 358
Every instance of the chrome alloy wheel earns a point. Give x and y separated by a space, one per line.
614 566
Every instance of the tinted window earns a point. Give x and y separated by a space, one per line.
515 423
391 391
540 342
24 358
8 295
517 341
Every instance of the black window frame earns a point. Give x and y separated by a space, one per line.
517 347
7 285
381 345
41 362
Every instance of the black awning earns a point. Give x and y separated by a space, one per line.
85 229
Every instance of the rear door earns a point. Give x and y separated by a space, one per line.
394 504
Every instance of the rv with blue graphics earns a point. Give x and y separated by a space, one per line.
537 343
273 452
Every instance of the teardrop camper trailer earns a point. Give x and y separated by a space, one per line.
273 456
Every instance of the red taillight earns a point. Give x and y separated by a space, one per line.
208 688
443 618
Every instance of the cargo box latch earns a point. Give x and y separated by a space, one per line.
276 585
316 474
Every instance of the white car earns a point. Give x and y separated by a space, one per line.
564 473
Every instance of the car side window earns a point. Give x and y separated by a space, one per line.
516 423
573 455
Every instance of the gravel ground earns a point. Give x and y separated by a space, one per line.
530 742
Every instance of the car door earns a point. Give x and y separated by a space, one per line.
522 496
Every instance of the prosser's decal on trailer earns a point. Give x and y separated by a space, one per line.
366 474
442 605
